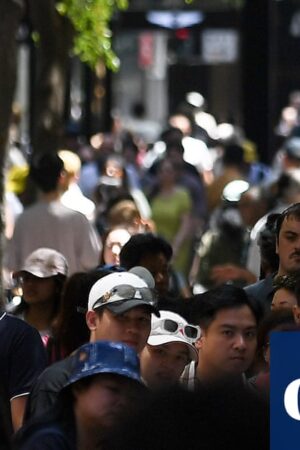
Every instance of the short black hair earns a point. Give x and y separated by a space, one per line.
142 244
267 245
45 170
291 211
277 320
174 146
204 307
233 154
171 134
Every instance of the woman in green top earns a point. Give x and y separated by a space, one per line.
171 208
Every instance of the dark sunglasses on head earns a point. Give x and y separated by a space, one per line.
127 292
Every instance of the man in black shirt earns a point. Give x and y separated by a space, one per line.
22 359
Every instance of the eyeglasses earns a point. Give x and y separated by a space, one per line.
170 326
127 292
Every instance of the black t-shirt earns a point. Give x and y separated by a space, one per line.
46 389
22 357
44 436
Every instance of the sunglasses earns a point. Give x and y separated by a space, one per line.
170 326
127 292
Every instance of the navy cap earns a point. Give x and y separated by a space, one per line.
105 357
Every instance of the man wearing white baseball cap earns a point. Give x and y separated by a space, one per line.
120 306
119 310
169 349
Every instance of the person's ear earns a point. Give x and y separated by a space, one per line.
296 312
91 320
199 342
63 181
266 354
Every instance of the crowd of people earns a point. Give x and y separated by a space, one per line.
142 286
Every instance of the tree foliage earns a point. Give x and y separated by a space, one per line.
233 3
91 22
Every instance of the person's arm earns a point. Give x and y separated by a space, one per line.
186 224
229 272
28 360
194 269
17 408
44 436
183 232
88 242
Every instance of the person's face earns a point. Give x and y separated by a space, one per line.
288 246
113 169
175 156
181 122
162 365
37 290
113 245
167 174
100 405
283 299
158 266
250 209
132 328
228 345
296 313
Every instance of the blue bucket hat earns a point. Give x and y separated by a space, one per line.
105 357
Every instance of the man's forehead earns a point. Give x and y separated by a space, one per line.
115 378
137 311
176 346
291 221
235 315
154 258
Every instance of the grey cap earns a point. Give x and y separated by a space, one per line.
44 263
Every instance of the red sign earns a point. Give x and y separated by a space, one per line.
146 50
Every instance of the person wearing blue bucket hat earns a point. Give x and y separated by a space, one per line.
104 357
105 383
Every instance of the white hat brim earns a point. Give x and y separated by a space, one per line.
161 339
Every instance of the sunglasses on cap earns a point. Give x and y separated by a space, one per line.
170 326
127 292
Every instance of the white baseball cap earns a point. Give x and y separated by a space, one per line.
171 327
122 291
